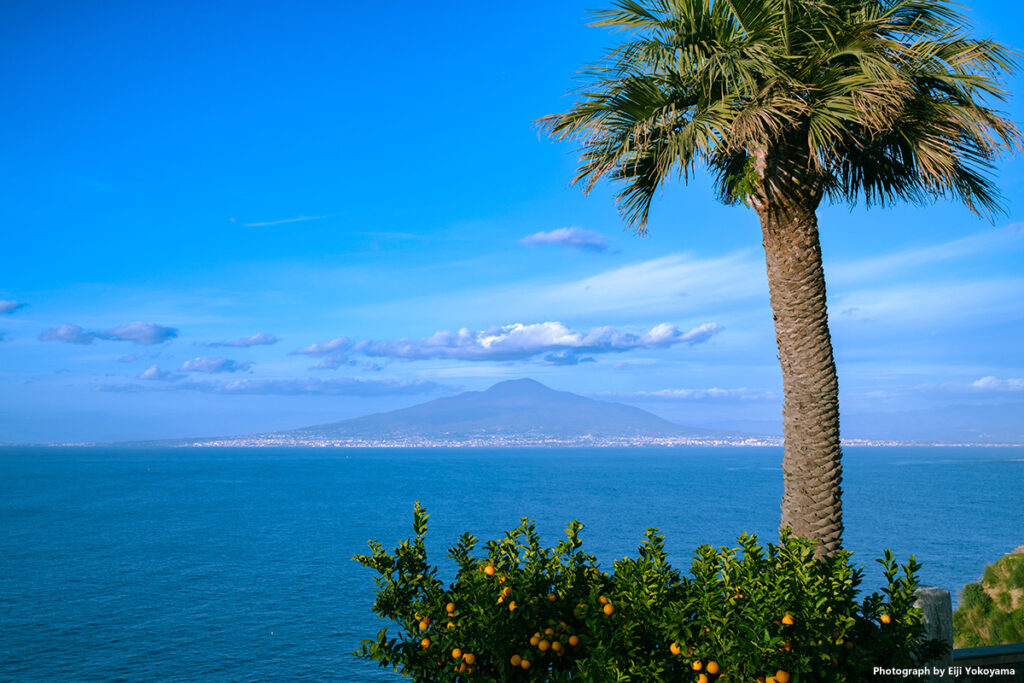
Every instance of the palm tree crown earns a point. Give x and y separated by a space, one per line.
878 100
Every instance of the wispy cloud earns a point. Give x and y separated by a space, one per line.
1010 384
695 394
213 365
144 333
331 353
572 238
10 306
255 340
297 219
344 386
520 341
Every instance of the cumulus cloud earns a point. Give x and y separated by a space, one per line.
1010 384
333 346
143 333
519 341
10 306
69 334
213 365
572 238
255 340
155 373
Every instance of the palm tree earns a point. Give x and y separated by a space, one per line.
788 103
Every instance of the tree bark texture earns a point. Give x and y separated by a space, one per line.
812 465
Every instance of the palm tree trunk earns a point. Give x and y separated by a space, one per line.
812 465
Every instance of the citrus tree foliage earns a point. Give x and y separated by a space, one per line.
521 612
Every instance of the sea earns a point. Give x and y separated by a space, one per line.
220 564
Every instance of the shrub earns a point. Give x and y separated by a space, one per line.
992 612
522 612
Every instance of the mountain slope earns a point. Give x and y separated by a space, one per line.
520 408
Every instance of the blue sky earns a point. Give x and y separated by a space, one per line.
239 217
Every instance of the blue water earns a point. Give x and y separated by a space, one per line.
210 564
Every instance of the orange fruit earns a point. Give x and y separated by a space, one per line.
702 678
675 649
543 646
574 640
512 606
712 667
551 597
450 607
770 679
516 660
885 619
782 676
603 600
424 624
425 643
469 658
450 625
788 620
787 646
556 646
525 664
489 570
456 653
608 609
697 665
534 641
549 631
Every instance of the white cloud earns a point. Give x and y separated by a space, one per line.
1010 384
255 340
521 341
213 365
344 386
572 237
328 347
743 393
298 219
155 373
143 333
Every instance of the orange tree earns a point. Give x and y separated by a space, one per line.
522 612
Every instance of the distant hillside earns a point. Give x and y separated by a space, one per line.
992 612
522 408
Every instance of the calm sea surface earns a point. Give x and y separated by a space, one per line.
233 564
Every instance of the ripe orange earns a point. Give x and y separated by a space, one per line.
608 609
787 646
697 665
603 600
425 623
702 678
469 658
534 641
450 607
515 660
712 667
450 625
525 664
675 649
782 676
574 641
425 643
506 591
489 570
556 646
549 631
788 620
456 653
885 619
543 646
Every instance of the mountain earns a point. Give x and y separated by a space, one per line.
520 410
